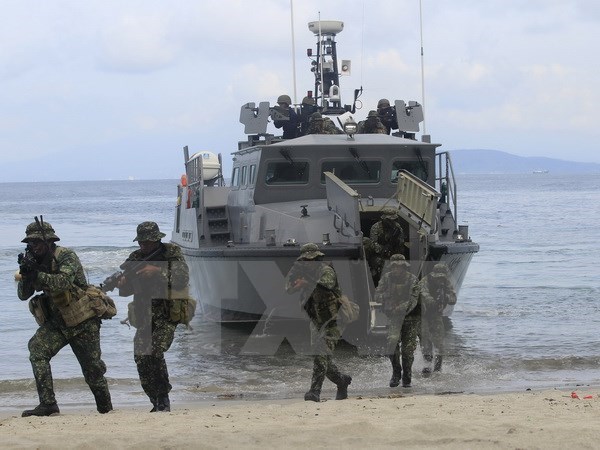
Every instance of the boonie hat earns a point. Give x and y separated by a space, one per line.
310 251
398 260
389 213
148 231
34 231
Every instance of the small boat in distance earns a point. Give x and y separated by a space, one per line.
541 171
240 240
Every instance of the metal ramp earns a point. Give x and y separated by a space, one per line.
417 201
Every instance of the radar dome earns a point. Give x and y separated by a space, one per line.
327 26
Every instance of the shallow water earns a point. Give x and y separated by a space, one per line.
527 315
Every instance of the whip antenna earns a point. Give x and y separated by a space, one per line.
293 49
422 69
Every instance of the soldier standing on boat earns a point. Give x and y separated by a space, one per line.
321 125
387 239
320 296
290 126
387 115
63 319
437 292
398 292
306 109
372 125
154 286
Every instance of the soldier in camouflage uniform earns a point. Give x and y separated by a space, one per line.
321 125
320 295
152 287
437 292
398 292
57 272
387 239
372 125
387 115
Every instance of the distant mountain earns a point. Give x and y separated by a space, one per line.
495 161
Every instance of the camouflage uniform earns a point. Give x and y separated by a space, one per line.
321 125
61 272
372 125
387 239
387 115
398 292
320 294
151 309
437 291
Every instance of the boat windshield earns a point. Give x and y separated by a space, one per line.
284 172
352 171
417 168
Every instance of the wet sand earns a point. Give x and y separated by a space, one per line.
544 419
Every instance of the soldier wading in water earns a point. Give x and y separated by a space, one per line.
320 297
158 288
64 317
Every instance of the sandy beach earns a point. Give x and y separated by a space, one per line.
546 419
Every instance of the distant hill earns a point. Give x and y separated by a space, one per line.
495 161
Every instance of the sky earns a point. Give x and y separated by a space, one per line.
106 89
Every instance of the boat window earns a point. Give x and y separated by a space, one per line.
284 172
243 178
252 175
352 171
235 177
419 169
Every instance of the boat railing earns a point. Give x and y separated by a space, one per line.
445 181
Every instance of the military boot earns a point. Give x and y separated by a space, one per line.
396 370
437 365
42 410
427 369
163 403
407 373
342 387
103 401
312 396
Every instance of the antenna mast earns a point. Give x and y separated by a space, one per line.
422 68
293 49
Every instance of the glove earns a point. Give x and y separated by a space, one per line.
27 268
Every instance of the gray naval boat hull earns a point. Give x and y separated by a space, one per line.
240 241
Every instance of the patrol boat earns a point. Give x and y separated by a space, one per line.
241 239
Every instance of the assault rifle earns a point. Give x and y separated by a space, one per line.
129 268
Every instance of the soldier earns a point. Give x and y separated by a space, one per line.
307 108
398 292
437 292
387 237
320 296
387 115
321 125
63 319
290 127
153 288
372 125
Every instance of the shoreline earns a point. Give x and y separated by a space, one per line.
531 419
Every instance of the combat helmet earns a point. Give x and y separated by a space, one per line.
398 260
383 103
389 213
310 251
308 100
372 114
316 116
34 231
284 99
148 231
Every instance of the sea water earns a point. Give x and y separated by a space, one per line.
527 316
